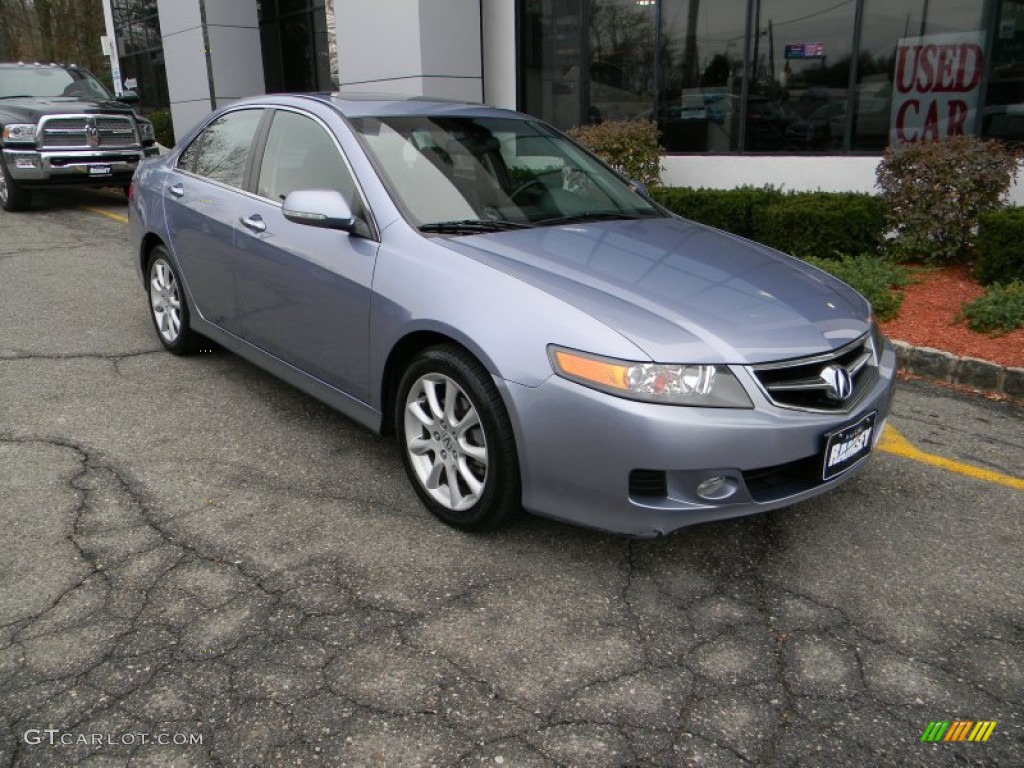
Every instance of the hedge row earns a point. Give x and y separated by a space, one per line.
1000 254
815 224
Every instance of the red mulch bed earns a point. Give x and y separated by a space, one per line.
926 319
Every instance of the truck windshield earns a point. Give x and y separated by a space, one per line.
30 80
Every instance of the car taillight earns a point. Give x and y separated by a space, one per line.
131 191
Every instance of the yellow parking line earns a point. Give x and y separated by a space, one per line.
108 214
895 443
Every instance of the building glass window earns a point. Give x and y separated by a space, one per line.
552 61
294 38
1003 116
140 52
800 57
919 71
779 76
700 74
621 38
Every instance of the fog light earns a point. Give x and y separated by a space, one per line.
717 488
26 162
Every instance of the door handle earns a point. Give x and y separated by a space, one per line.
253 223
177 190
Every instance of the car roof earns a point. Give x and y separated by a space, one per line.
370 104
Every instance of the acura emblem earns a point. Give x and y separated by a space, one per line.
838 382
92 133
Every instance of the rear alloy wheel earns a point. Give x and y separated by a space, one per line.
456 440
167 304
12 197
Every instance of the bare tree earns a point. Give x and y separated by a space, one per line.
52 30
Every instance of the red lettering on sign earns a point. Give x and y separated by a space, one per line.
903 83
956 123
901 119
931 123
949 68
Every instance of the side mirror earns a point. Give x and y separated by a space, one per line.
324 208
128 97
639 187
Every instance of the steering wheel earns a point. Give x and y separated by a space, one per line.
515 193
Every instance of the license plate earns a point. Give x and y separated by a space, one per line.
847 446
99 170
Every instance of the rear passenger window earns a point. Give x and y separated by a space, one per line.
222 150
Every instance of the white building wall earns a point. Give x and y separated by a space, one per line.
499 54
415 47
792 173
234 56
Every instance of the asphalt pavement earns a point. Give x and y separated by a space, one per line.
203 566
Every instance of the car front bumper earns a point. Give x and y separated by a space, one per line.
32 168
578 447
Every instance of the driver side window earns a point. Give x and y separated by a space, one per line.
300 154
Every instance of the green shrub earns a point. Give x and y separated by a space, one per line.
630 147
999 311
163 126
877 278
822 224
937 190
728 209
1000 247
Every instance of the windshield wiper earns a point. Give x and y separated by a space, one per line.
473 226
17 96
573 218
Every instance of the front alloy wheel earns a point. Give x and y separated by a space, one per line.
167 304
456 440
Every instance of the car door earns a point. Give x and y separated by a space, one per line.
201 200
304 292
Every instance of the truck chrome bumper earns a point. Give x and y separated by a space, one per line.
31 166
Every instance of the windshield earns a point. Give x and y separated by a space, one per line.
30 80
480 174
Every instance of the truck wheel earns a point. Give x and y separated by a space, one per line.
12 197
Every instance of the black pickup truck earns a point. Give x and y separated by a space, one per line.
60 126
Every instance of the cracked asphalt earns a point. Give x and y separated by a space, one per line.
193 550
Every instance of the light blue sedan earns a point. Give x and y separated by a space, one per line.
535 331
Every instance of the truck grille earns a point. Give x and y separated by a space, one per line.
829 382
88 132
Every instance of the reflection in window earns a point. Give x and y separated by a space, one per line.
801 58
224 147
701 74
779 75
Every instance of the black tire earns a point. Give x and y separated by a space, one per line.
462 387
168 307
13 197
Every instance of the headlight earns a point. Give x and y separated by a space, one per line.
20 132
707 386
146 130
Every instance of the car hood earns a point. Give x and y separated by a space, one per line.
681 291
34 107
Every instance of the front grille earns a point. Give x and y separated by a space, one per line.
803 383
111 132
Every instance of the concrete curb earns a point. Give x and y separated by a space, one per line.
963 371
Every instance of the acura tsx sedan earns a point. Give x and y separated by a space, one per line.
534 330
